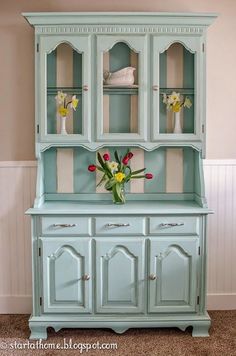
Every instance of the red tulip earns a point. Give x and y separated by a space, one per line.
106 156
92 168
148 175
125 160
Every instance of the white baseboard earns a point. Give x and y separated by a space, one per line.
221 301
15 304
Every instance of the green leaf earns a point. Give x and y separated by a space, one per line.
109 184
102 180
99 168
104 166
137 177
101 161
117 157
138 171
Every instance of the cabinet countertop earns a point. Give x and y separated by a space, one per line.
108 208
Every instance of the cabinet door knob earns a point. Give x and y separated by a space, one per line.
85 87
152 277
86 277
155 87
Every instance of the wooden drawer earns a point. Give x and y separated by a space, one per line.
120 226
168 225
65 225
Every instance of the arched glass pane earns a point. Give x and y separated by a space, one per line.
64 74
176 77
120 90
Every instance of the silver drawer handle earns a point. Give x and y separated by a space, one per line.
171 224
64 225
117 225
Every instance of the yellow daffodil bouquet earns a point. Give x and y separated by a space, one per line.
116 173
175 101
64 104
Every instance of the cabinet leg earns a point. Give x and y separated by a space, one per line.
200 330
119 330
38 332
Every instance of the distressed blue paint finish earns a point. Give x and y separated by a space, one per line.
51 82
50 170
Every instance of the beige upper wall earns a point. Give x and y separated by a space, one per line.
17 69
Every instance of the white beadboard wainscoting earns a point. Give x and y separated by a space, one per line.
17 189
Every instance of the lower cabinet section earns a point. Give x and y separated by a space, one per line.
126 275
119 281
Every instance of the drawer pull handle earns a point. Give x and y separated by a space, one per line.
152 277
86 277
64 225
155 87
85 88
171 224
117 225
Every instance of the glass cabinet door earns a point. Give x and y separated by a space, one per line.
64 106
175 89
121 88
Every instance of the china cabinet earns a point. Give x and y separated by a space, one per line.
141 264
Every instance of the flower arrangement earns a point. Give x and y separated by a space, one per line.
175 101
116 173
63 103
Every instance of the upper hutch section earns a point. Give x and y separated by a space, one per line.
120 69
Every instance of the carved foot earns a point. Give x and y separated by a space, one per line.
200 330
38 332
119 330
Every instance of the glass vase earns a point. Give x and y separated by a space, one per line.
118 193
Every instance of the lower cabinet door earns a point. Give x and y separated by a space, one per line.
66 274
120 275
173 274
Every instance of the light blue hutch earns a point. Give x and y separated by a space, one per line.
97 264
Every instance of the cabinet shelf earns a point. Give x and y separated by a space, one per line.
189 91
67 90
120 89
